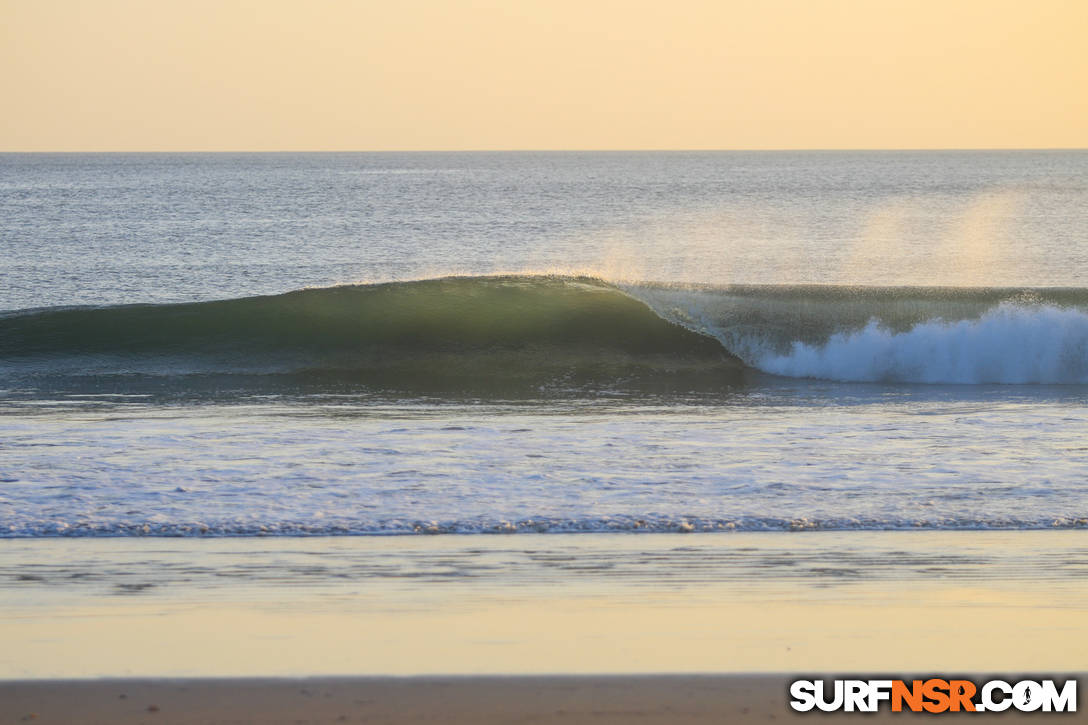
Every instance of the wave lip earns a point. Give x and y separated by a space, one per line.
473 332
1009 344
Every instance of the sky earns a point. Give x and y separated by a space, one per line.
269 75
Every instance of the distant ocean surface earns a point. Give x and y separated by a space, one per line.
443 343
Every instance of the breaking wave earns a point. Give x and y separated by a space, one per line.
1009 344
892 334
497 334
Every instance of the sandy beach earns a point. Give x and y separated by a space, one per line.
600 700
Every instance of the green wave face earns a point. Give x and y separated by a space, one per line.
476 334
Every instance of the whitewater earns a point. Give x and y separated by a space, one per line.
374 344
1009 344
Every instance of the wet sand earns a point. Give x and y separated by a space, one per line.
459 629
601 700
545 604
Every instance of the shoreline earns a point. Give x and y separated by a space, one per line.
570 604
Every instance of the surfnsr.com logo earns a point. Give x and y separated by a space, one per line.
933 695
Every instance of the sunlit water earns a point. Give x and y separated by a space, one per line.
929 441
118 228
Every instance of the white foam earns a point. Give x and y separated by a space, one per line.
1010 343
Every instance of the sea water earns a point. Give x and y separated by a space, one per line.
352 345
908 333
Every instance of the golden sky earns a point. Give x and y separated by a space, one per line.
542 74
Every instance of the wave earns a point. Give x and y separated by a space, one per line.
891 334
499 335
539 525
475 333
1010 344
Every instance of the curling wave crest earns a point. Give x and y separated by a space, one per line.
891 334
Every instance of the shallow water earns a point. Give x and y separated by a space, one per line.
917 601
779 457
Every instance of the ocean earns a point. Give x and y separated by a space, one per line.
223 348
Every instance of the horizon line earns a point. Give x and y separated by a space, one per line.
547 150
